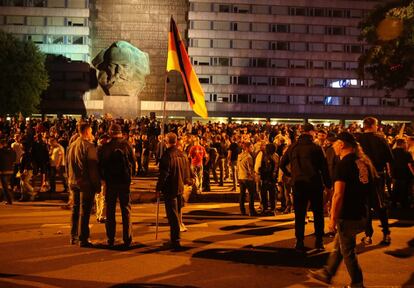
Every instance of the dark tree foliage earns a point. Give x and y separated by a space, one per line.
23 76
390 62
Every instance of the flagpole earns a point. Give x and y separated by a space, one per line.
164 110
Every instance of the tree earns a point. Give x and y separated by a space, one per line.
23 76
389 30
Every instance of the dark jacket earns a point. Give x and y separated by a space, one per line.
82 166
377 149
104 155
308 163
7 160
174 172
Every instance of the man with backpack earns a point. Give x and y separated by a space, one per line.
116 160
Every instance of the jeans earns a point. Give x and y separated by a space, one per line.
82 206
54 172
250 186
344 248
268 195
198 173
233 168
173 209
121 192
375 202
220 164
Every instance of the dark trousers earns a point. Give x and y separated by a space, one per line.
14 180
401 192
82 206
173 209
219 164
344 248
121 192
376 203
206 178
5 181
303 193
268 195
250 186
54 173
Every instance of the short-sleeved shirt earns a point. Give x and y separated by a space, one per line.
197 153
356 176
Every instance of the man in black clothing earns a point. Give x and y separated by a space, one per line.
7 160
232 154
116 160
309 172
402 174
174 173
379 152
352 182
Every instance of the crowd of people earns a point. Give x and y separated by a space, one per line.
298 165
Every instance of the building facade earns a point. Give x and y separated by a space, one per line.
289 59
285 58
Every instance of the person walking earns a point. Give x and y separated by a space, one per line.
353 179
84 182
309 172
117 161
197 154
174 173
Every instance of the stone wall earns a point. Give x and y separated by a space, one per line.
145 24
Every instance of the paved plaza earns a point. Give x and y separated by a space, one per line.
223 249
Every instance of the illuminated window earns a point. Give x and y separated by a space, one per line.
38 39
35 21
54 39
201 7
221 43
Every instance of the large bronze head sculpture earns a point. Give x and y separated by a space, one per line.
122 69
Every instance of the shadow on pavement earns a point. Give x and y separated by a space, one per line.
404 252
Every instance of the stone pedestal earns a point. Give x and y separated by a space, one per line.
125 106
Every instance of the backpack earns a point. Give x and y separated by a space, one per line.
267 168
118 168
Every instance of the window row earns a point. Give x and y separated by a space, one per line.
276 45
277 10
54 39
46 3
43 21
274 27
272 63
304 100
282 81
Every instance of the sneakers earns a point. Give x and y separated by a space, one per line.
386 240
320 275
85 244
366 240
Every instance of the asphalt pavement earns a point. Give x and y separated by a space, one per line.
222 249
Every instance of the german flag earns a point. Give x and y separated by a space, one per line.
178 60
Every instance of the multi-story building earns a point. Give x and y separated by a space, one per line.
58 27
285 59
291 59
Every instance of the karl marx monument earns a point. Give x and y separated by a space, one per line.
122 69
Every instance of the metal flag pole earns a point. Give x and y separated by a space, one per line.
157 217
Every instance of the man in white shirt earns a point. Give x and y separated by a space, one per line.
57 164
